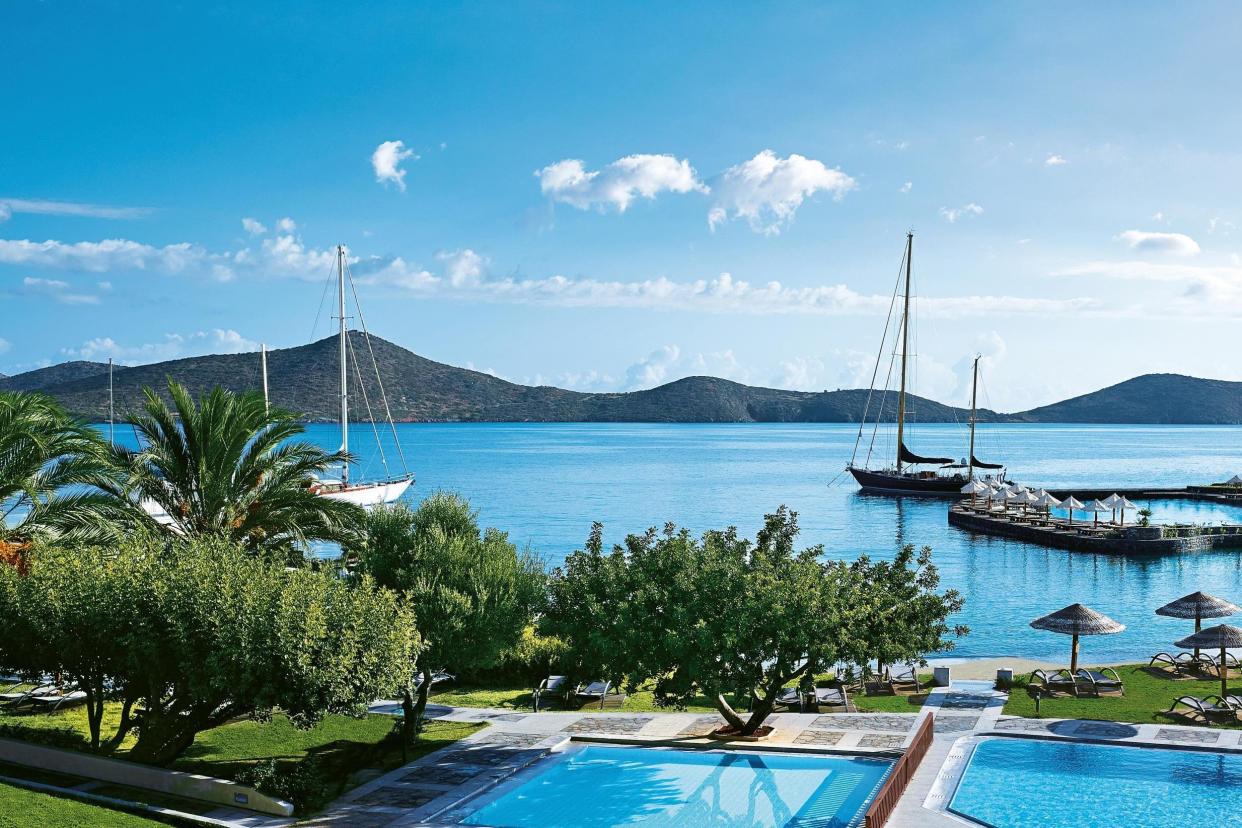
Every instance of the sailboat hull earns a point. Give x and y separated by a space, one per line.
371 494
892 483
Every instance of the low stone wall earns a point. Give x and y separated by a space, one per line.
175 783
1130 541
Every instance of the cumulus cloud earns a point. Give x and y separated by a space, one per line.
9 206
652 369
253 226
907 187
1055 161
172 346
1178 244
720 364
952 214
463 267
618 184
387 160
768 190
286 225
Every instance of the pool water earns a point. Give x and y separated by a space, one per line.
598 787
1022 782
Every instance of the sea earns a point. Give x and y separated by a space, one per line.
547 483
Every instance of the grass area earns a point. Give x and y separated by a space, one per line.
21 808
339 747
1147 694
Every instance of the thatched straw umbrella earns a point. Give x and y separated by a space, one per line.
1223 636
1076 620
1198 605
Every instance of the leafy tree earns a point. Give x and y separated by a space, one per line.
717 615
192 633
43 452
728 618
474 594
900 615
230 466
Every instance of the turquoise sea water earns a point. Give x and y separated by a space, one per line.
600 787
546 483
1014 783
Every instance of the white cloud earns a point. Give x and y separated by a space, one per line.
619 183
463 267
907 187
172 346
952 214
57 290
1054 161
286 225
386 161
1203 290
1178 244
98 257
253 226
767 191
1217 223
9 206
801 374
590 380
652 369
4 345
720 364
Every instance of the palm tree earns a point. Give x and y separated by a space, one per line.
43 453
229 466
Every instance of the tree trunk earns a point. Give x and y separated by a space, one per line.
164 735
126 725
413 705
727 711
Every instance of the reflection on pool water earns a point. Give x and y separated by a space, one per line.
602 786
1012 782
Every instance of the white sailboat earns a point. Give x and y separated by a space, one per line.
362 493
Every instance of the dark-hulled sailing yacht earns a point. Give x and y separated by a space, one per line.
905 475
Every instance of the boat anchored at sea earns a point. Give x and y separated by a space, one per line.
908 473
360 492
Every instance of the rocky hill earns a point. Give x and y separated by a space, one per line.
304 379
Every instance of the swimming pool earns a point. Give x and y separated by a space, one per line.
1022 782
600 786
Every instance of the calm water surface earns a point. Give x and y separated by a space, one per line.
546 483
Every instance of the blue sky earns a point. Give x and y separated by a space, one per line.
603 198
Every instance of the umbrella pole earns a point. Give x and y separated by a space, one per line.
1074 656
1198 627
1224 674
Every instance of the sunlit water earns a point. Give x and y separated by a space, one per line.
1014 783
546 483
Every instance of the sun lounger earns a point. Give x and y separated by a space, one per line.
598 691
789 699
1205 707
22 698
831 697
553 687
1059 681
57 701
908 677
1104 680
1180 664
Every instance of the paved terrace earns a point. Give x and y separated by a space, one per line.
436 790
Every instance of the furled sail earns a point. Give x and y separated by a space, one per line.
907 456
979 464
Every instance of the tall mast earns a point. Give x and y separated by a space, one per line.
340 287
111 407
905 350
974 396
263 365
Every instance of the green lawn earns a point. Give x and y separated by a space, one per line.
21 808
341 746
1147 694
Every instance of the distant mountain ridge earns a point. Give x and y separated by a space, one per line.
304 379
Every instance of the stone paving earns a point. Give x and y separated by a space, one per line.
436 790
